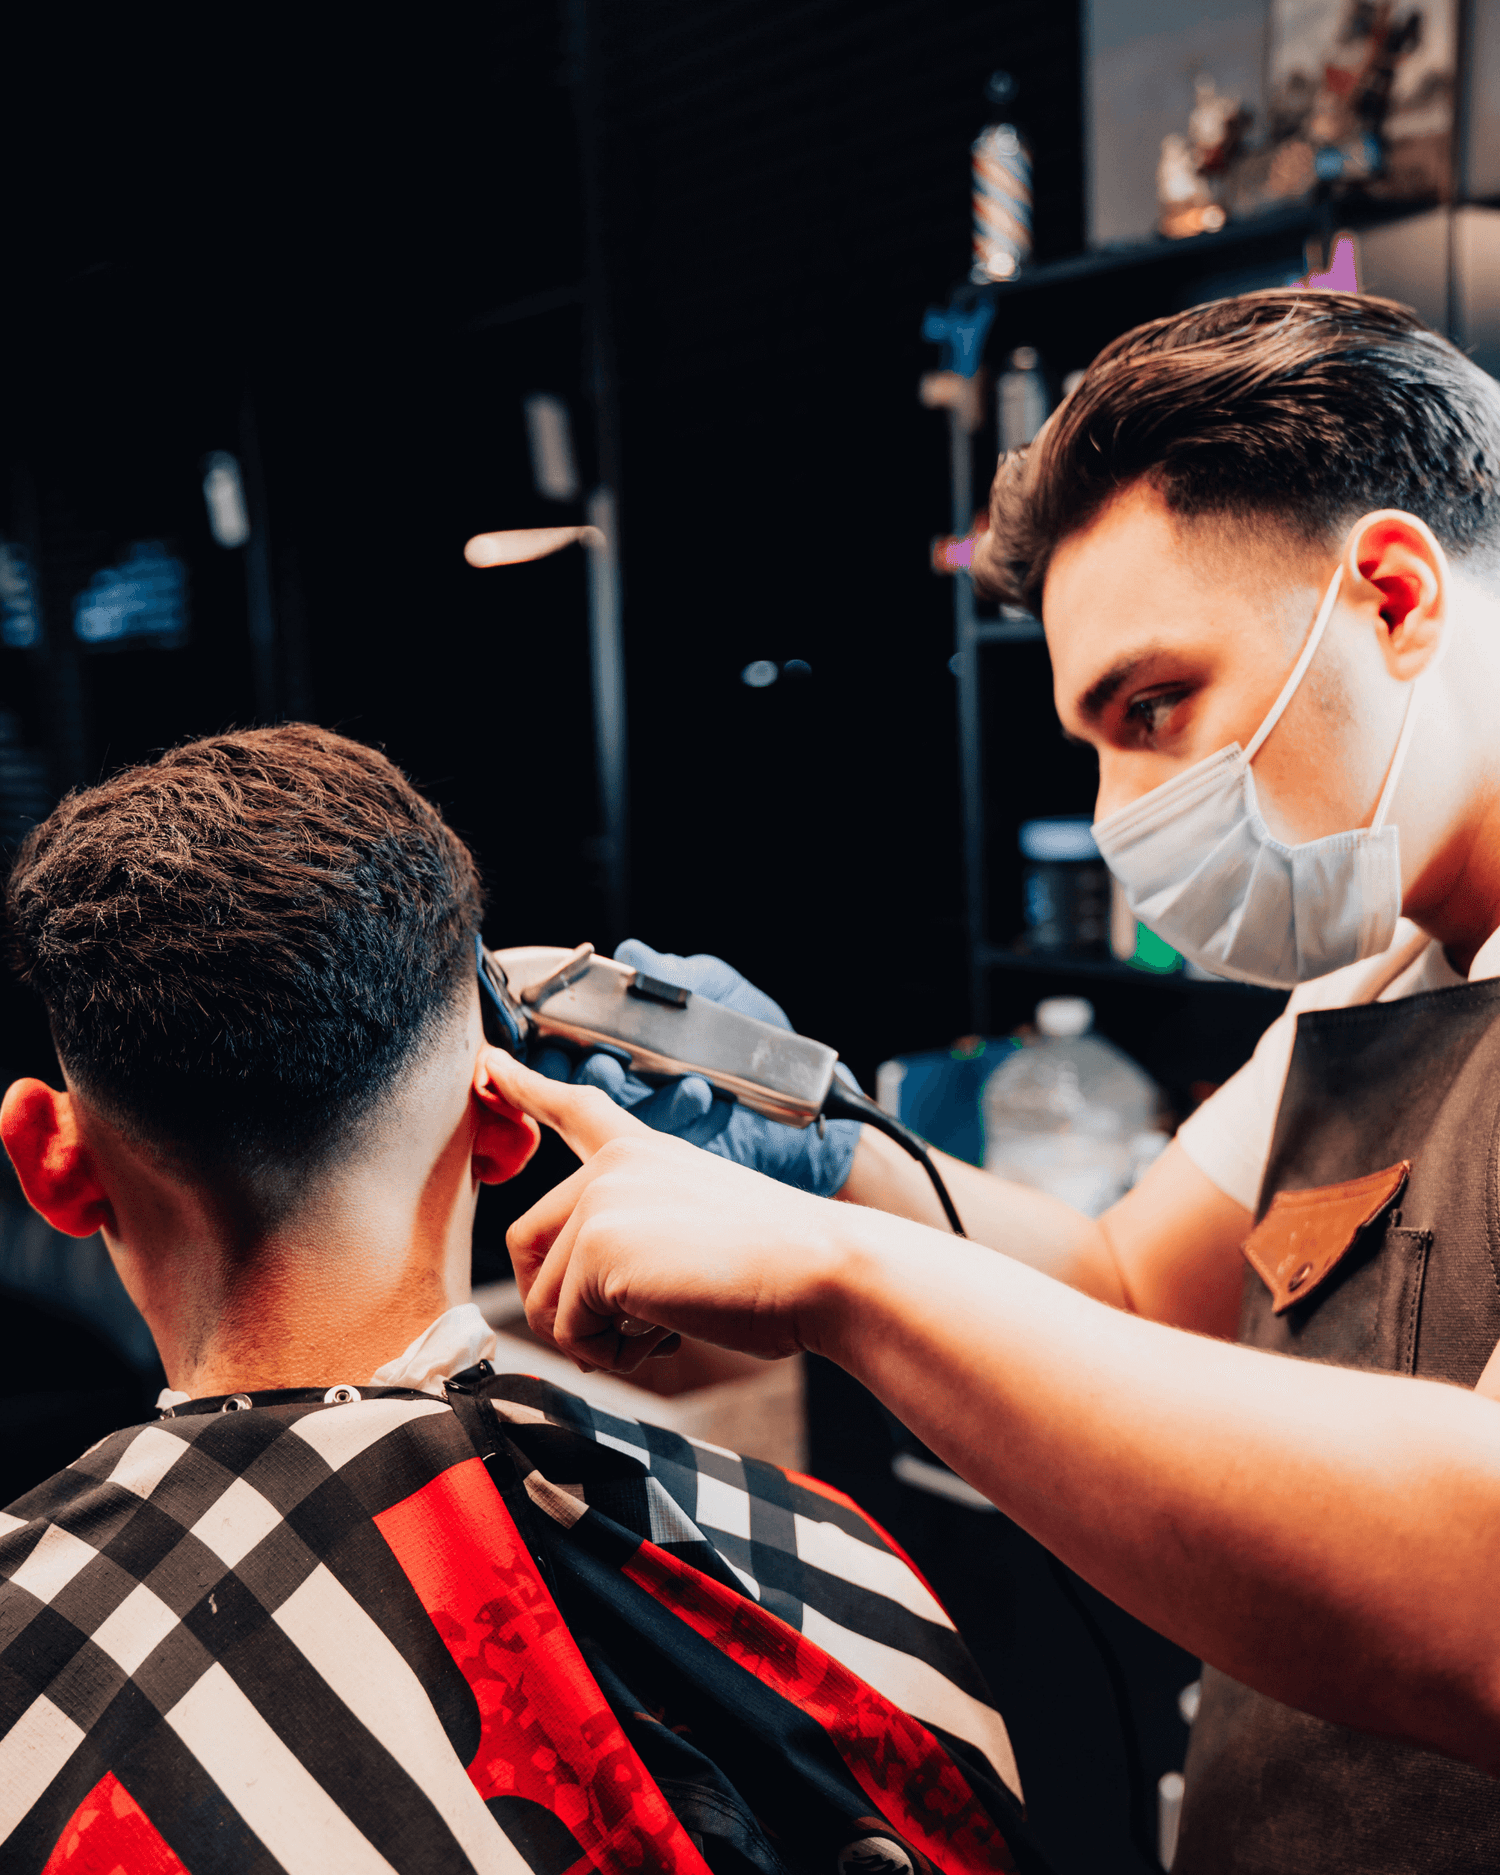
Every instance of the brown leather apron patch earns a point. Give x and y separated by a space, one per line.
1305 1235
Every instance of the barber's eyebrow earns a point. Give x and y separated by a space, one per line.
1094 701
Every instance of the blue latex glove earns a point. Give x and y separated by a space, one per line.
690 1109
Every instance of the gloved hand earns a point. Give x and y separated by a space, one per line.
689 1108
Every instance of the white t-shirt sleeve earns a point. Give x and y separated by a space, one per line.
1229 1137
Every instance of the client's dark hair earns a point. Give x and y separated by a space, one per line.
1307 408
241 944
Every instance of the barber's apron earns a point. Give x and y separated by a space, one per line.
1399 1271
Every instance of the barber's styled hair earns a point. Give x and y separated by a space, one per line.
1308 408
241 944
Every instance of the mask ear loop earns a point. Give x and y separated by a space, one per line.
1299 669
1403 741
1398 760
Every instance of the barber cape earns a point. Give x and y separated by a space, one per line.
375 1631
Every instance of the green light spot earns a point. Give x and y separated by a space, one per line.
1153 953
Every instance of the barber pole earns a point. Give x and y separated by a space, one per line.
1002 203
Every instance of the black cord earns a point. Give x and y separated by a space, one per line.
1141 1834
847 1103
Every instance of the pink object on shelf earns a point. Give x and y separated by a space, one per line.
1343 274
950 553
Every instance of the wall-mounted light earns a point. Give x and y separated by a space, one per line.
224 497
20 620
144 598
550 436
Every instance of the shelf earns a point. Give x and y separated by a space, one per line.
1041 963
1258 237
1007 631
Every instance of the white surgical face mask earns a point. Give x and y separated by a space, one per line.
1199 866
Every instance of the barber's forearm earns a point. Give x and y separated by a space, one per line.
1029 1225
1325 1535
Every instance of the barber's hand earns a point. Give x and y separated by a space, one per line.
648 1231
689 1108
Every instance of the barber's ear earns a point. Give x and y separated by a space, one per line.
504 1136
57 1172
1395 565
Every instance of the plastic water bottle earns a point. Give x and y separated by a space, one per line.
1022 405
1067 1114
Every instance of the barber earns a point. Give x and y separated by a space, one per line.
1264 538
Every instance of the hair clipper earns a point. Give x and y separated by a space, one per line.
661 1030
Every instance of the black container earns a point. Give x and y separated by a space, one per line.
1065 886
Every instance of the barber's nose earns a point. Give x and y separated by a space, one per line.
1115 789
1124 778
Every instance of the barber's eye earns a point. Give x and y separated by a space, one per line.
1150 713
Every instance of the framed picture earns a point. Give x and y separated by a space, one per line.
1361 92
1202 115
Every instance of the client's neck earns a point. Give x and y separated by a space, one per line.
296 1318
324 1279
329 1293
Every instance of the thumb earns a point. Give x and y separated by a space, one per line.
585 1117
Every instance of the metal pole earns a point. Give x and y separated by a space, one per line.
260 604
605 610
58 648
971 770
607 660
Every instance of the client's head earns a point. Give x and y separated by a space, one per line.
257 956
243 945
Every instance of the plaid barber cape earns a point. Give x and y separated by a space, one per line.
507 1632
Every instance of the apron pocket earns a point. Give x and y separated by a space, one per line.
1306 1235
1365 1314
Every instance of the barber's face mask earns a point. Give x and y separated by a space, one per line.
1199 866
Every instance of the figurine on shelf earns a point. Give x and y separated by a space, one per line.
1216 127
1192 167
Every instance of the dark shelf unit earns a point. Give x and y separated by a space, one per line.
1265 239
1111 970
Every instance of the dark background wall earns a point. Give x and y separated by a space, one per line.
356 255
322 233
791 195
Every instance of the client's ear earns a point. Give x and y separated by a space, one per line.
505 1137
57 1171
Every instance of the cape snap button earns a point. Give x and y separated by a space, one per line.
874 1855
236 1403
340 1396
1298 1278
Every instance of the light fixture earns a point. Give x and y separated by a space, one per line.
224 497
550 436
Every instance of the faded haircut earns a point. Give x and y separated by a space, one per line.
241 944
1302 408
